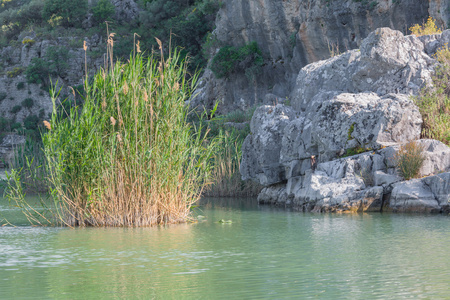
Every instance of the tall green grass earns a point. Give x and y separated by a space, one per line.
434 101
128 157
226 178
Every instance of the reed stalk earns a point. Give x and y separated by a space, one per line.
128 157
226 178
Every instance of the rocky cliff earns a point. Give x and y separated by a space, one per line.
358 102
294 33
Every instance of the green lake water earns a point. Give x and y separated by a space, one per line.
265 253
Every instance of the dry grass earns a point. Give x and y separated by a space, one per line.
409 159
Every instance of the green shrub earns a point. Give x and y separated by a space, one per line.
28 103
38 72
434 101
426 29
16 109
229 59
31 122
103 10
21 85
5 124
409 159
28 42
16 126
70 13
3 96
15 72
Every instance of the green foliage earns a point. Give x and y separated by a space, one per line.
28 42
21 85
409 159
28 103
31 122
350 131
103 11
128 157
3 96
356 150
15 72
17 16
5 124
57 58
157 11
434 101
16 109
38 71
16 126
71 13
184 24
229 59
53 63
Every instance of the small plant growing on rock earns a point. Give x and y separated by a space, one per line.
15 72
21 85
427 28
28 103
3 96
28 42
367 176
16 109
409 159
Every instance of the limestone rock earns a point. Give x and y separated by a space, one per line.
421 195
261 149
387 62
293 33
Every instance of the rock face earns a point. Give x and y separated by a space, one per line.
294 33
307 155
14 87
8 147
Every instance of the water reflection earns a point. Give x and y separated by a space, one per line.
264 253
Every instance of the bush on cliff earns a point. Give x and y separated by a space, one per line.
425 29
434 101
71 13
247 58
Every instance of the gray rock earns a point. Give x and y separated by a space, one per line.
8 147
413 196
387 62
292 34
261 149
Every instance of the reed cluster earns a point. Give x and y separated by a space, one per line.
226 179
128 157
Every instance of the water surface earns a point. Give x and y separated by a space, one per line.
264 253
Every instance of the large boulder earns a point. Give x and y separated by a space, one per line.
367 182
387 62
261 149
358 102
429 194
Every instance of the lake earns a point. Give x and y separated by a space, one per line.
264 253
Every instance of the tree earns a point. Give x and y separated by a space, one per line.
103 11
71 12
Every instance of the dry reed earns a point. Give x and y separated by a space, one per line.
128 157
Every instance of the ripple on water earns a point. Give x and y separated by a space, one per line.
262 254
